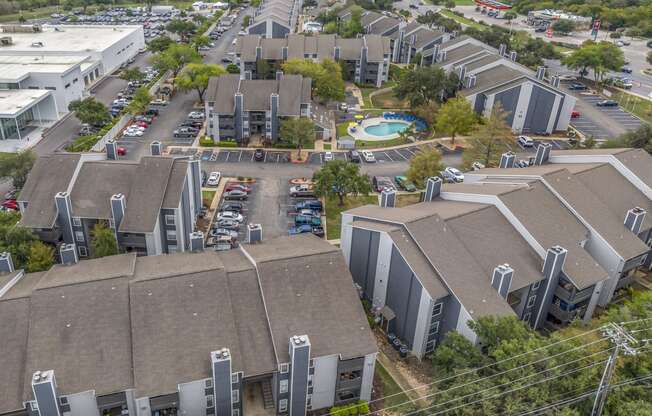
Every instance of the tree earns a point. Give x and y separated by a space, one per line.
425 164
339 178
90 111
21 19
456 352
17 166
199 41
489 140
196 77
15 239
426 84
352 27
246 20
299 131
174 58
600 57
182 28
649 58
510 15
428 112
640 138
455 117
262 68
103 241
327 82
132 74
233 69
159 44
563 26
140 103
41 257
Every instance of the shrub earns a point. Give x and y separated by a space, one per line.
227 143
206 142
83 143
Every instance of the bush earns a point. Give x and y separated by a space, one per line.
206 142
615 35
83 143
353 409
282 145
226 143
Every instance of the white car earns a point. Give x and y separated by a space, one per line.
368 156
196 115
229 215
213 179
525 141
132 133
136 127
328 156
456 174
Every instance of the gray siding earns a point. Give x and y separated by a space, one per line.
448 318
539 110
47 401
364 254
299 380
509 100
279 31
258 29
403 297
480 100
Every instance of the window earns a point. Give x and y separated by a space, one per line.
76 221
34 405
283 405
235 396
79 236
171 234
82 251
531 300
536 285
312 363
172 249
234 378
169 220
51 88
430 346
436 310
67 86
434 327
527 316
209 401
350 375
284 368
74 81
63 400
209 383
235 412
283 386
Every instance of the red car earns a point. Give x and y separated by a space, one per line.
236 186
575 114
141 123
10 203
122 151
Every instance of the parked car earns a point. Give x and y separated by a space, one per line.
301 190
451 174
354 156
159 102
344 107
196 115
306 219
575 114
626 70
221 242
607 103
214 232
229 215
235 194
382 182
404 183
309 212
151 112
368 156
328 156
525 141
10 203
233 186
132 133
214 179
122 151
313 204
232 206
477 166
86 129
228 224
192 124
576 86
185 132
259 155
307 228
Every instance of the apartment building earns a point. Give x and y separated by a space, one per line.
238 109
408 40
364 60
275 18
152 205
536 243
489 77
270 328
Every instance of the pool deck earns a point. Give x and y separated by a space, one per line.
360 134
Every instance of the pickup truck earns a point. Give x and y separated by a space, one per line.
301 190
307 219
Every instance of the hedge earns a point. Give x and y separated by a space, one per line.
359 408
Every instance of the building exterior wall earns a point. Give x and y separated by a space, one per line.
122 50
324 381
83 404
192 397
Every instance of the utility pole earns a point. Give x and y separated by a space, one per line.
622 340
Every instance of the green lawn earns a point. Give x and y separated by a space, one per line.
461 20
342 129
327 146
207 197
365 95
390 388
334 211
364 144
638 106
388 100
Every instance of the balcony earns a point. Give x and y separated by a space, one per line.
565 316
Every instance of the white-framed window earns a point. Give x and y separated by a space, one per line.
82 251
234 378
527 317
76 221
531 300
170 219
235 396
34 405
79 236
284 368
430 346
235 412
283 386
209 401
434 327
536 285
63 400
283 405
171 235
437 309
311 363
209 383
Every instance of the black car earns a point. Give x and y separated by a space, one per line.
259 155
626 70
232 206
354 156
204 177
192 124
607 103
576 86
151 112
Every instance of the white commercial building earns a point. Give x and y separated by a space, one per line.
25 110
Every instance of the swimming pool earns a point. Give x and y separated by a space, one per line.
386 128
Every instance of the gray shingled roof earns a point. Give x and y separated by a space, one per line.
49 175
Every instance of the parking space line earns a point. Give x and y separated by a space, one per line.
409 150
252 157
278 157
400 154
321 158
227 156
385 153
265 158
346 158
240 156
